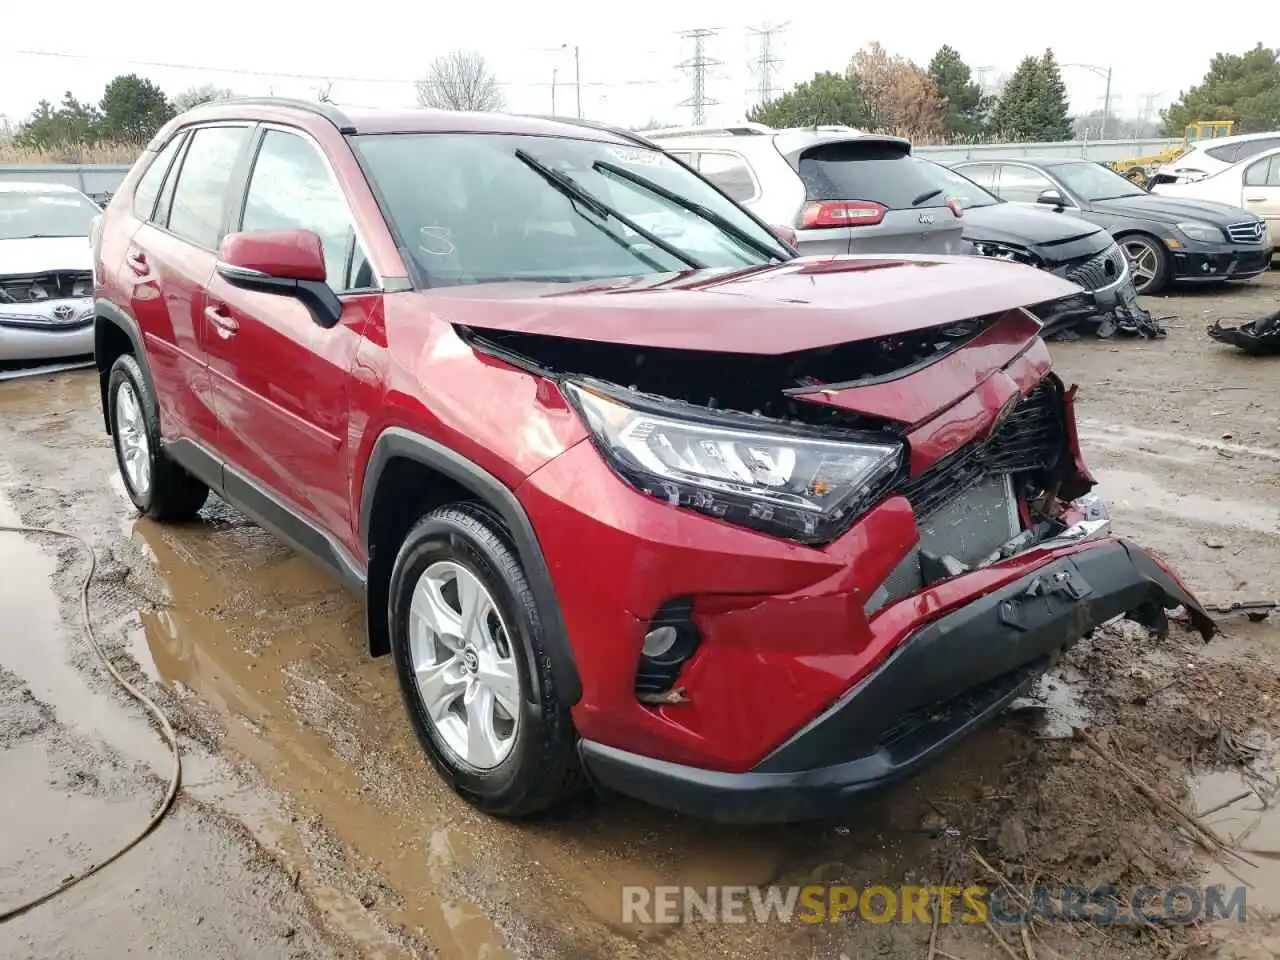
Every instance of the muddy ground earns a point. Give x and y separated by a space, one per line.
309 824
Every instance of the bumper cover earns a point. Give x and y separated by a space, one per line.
1212 262
947 679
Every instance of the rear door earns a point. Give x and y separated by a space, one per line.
870 195
1261 193
280 380
169 260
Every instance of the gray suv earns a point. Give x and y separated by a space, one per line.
841 190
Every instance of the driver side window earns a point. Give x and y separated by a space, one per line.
1022 184
1264 173
290 188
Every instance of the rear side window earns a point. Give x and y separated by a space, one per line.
199 198
871 172
1022 184
1264 173
148 188
1226 153
730 173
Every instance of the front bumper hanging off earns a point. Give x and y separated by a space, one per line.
948 678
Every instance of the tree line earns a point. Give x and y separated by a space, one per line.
885 93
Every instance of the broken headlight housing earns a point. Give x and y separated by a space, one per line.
802 487
1005 251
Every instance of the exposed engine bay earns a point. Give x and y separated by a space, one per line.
57 285
753 384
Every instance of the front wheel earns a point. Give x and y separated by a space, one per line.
1148 263
471 661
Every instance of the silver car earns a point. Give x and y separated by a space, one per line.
841 190
46 272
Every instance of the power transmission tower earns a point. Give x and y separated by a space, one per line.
697 67
765 60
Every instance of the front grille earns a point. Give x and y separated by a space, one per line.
1249 232
55 285
1029 440
1101 270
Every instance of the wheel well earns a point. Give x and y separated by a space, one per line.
407 489
110 343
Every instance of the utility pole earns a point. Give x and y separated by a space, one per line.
765 60
1106 105
554 71
577 78
697 66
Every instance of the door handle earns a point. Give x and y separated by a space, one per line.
1255 199
137 261
224 324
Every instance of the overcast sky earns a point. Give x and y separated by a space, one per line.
372 49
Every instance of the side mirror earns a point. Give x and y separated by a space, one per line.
286 262
1052 197
786 235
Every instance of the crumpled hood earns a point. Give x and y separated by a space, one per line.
803 304
22 258
1025 227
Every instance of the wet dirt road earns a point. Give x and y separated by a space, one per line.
310 824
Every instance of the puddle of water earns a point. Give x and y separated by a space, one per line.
1058 696
1140 492
247 684
37 647
1251 823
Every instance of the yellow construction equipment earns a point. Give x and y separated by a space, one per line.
1140 169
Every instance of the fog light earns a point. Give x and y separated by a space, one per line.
659 642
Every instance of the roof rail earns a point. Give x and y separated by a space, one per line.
637 138
732 130
326 110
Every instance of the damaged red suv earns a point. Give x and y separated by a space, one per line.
635 495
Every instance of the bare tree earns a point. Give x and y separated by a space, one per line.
324 92
204 93
460 80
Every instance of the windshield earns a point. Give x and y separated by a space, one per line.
486 208
1092 181
28 214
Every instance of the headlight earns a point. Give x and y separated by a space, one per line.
1201 231
1001 251
797 487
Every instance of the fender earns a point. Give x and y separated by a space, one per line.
398 442
108 314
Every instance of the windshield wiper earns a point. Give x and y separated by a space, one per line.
696 209
927 195
570 188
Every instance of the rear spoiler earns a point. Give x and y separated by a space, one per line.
794 148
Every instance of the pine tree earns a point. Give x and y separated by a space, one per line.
1053 111
967 106
1033 106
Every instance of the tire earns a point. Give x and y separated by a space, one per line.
530 763
1146 255
158 487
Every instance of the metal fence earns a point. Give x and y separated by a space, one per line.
97 180
100 180
1104 150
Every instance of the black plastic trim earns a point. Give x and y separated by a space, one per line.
108 313
320 109
267 509
397 442
950 677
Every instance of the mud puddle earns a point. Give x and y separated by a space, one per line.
1243 806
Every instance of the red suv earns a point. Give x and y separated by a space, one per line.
635 495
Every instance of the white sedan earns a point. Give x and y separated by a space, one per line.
1253 184
46 272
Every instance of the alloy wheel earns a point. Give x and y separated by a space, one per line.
1144 263
133 445
463 664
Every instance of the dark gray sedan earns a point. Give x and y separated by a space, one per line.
1164 239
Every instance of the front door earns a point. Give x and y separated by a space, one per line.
279 379
1261 192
